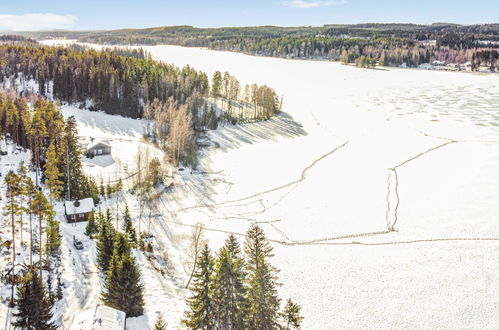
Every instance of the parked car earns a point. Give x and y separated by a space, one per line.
77 244
3 153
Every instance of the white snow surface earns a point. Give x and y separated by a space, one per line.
316 179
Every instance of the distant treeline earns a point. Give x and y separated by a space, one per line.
15 38
388 44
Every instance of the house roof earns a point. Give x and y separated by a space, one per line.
79 206
98 142
100 317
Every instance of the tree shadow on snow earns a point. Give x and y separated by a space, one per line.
234 136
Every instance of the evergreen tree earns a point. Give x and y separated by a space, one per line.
77 186
91 228
10 210
201 313
291 315
261 281
128 226
160 323
105 245
228 286
216 84
123 288
33 305
53 237
52 173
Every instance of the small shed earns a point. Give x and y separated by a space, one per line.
98 147
78 210
100 317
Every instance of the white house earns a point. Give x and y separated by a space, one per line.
99 318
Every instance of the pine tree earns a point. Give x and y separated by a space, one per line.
10 210
201 313
160 323
261 281
105 245
123 288
91 228
33 305
228 286
291 315
128 226
52 173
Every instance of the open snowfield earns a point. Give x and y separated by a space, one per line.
321 179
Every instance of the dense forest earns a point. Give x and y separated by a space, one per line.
35 124
387 44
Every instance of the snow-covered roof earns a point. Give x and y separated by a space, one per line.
80 206
97 142
100 317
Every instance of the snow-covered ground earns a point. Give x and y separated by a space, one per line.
317 179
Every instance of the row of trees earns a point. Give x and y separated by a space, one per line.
34 299
239 104
238 289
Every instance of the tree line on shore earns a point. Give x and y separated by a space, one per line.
389 44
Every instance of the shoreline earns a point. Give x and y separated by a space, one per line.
380 68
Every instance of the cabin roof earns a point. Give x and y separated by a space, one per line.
85 206
96 143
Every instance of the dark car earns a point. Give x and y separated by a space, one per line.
3 153
77 244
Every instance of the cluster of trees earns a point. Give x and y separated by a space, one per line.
396 43
122 289
37 125
13 38
252 102
238 289
34 299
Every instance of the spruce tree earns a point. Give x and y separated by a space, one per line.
105 245
123 288
52 173
160 323
291 315
128 226
91 228
261 281
201 313
33 305
228 286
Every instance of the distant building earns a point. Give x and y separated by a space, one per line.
97 147
77 211
99 318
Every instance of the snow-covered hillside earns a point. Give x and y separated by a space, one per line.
355 153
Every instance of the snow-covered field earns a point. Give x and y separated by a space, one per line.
317 179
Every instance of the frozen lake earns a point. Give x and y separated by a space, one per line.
380 188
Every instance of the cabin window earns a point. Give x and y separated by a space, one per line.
99 151
81 215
